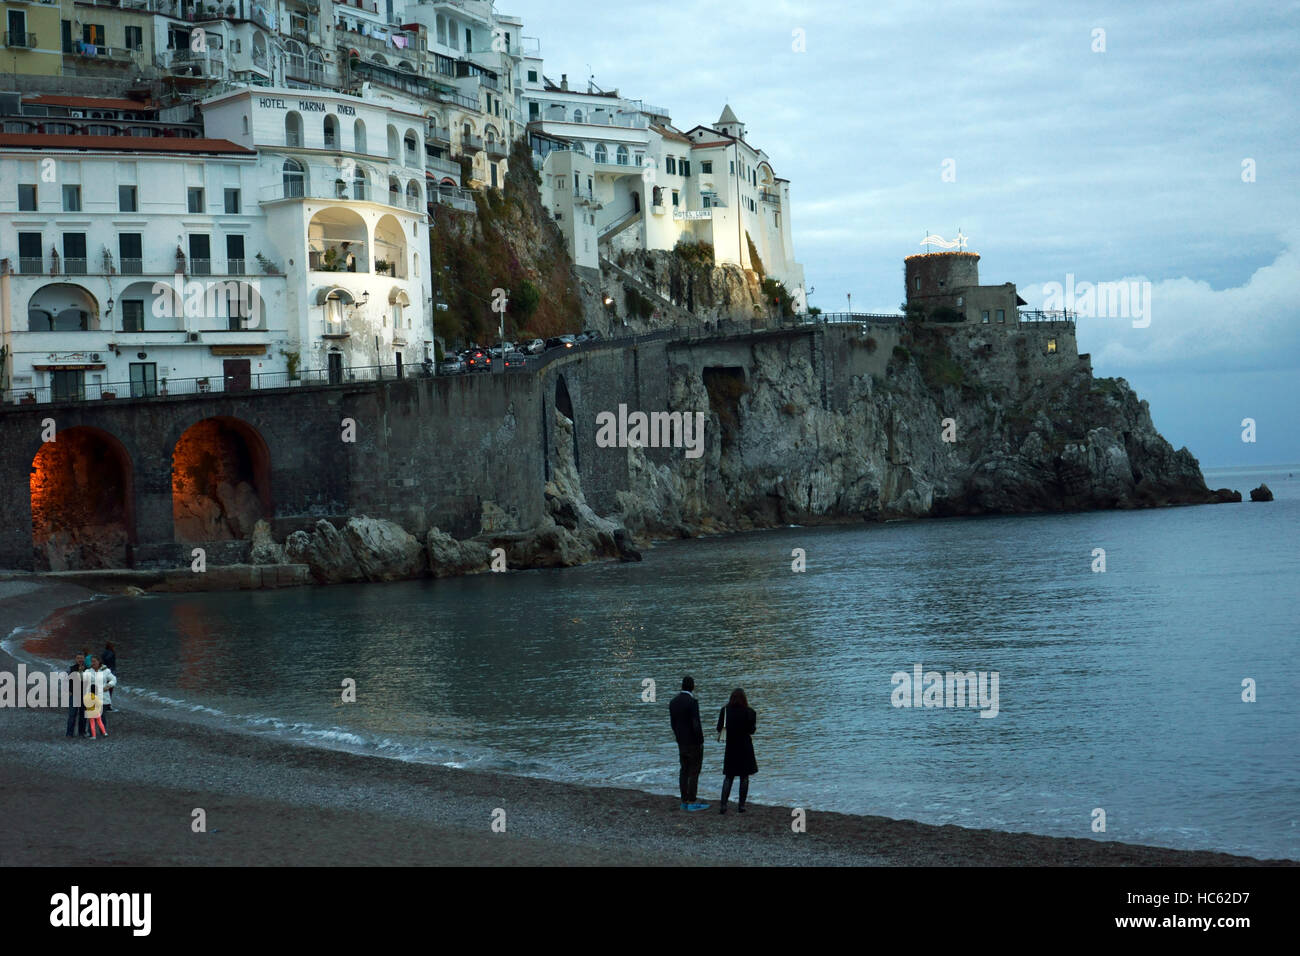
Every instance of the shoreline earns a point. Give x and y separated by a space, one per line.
270 802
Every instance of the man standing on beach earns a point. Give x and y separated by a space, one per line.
684 714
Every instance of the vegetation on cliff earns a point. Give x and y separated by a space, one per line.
512 244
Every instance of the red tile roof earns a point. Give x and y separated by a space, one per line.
123 144
91 102
725 142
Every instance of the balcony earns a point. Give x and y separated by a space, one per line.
444 167
462 199
438 134
20 40
74 267
470 143
770 196
165 265
453 98
496 149
116 55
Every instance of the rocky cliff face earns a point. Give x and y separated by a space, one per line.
949 429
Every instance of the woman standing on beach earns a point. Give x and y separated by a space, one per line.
94 711
738 720
103 680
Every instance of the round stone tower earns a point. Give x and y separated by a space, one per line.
935 279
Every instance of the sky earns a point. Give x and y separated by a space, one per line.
1151 143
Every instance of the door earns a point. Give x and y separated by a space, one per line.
398 355
144 379
200 255
336 368
68 385
238 373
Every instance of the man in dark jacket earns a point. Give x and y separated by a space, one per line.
76 710
684 714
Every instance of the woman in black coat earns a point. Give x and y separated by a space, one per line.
738 760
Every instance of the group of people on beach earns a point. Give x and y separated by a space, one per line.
736 721
97 680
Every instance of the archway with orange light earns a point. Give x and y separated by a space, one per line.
83 515
221 481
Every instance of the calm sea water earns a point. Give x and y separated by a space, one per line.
1119 690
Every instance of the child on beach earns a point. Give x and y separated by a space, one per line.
94 712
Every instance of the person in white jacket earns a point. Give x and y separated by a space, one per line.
103 681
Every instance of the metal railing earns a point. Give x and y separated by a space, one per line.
825 318
770 196
17 40
497 148
1064 316
156 266
455 99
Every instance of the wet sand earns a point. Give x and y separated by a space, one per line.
272 803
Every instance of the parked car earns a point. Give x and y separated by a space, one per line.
555 342
535 347
496 349
516 359
593 335
569 341
476 360
451 365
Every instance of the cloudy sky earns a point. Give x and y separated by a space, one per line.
1066 160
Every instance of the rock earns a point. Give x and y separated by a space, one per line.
326 552
1262 493
1226 495
449 557
264 549
241 506
495 519
562 511
383 551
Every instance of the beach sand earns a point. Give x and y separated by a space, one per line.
130 800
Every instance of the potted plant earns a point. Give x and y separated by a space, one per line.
330 261
108 394
28 399
383 267
180 259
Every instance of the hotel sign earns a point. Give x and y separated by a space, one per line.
303 106
694 214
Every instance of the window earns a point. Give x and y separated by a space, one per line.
292 129
129 255
92 34
676 198
17 28
126 199
29 253
984 316
72 199
686 167
235 255
293 180
359 137
331 132
232 201
534 111
144 379
706 166
1051 346
733 167
27 198
195 198
532 76
670 165
74 253
133 315
134 38
708 203
622 156
602 156
1002 315
200 255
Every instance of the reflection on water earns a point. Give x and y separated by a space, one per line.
1118 690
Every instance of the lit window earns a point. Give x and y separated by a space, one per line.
1051 346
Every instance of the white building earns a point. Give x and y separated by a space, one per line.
650 185
290 237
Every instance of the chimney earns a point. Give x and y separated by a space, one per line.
564 81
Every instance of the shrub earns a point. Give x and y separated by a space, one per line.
901 353
872 344
755 262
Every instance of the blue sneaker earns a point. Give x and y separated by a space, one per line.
697 806
686 806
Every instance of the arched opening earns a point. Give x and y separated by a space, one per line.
394 144
413 195
62 307
390 247
442 29
577 116
602 154
412 143
292 128
331 132
221 481
359 137
81 494
295 179
337 241
622 155
394 191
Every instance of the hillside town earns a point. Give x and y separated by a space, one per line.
231 195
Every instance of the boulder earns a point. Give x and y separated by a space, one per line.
1224 495
1262 493
450 558
242 507
383 550
264 549
326 552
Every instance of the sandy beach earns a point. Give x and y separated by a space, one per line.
272 803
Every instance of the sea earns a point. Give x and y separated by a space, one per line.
1138 668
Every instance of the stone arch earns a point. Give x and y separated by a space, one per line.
221 481
82 501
